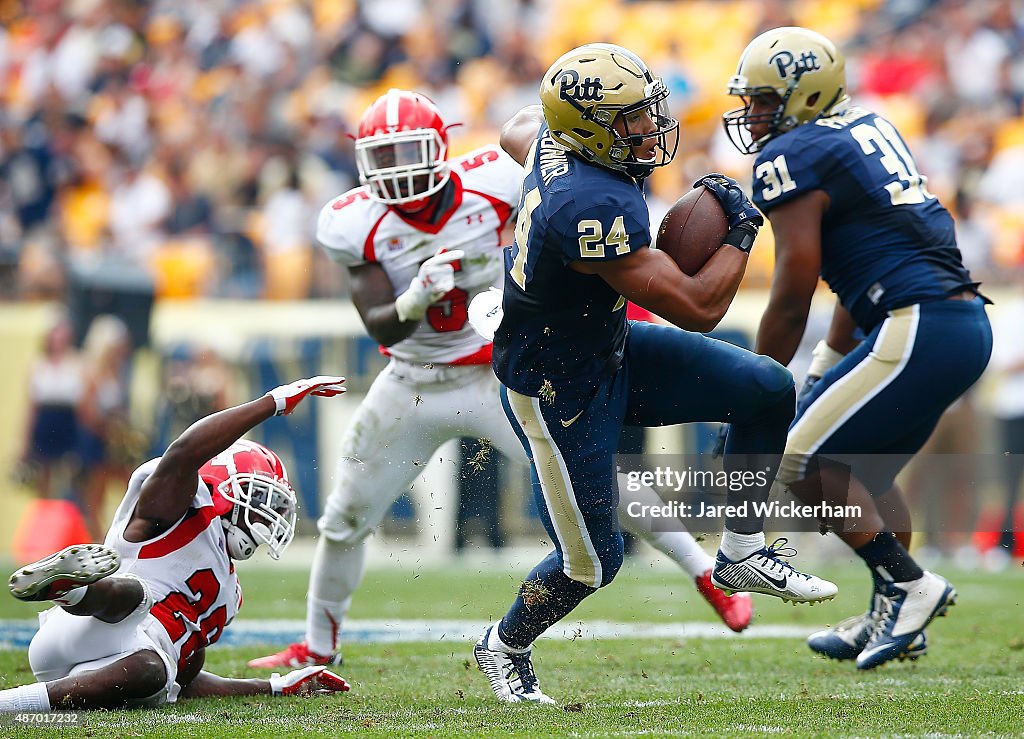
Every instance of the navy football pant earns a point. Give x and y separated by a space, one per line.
877 407
668 376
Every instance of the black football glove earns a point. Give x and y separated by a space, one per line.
809 382
823 358
744 219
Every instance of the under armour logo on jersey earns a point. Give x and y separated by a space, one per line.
571 88
786 64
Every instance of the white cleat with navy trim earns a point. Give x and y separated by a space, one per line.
905 609
767 573
511 675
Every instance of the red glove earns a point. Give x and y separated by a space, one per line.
288 397
312 680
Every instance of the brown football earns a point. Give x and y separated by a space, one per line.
693 230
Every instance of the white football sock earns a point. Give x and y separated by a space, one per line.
495 644
681 548
737 546
336 573
25 698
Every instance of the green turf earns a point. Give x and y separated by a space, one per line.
969 684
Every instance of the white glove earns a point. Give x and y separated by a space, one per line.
312 680
485 313
435 278
823 358
287 397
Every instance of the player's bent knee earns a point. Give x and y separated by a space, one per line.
772 377
344 536
145 676
346 526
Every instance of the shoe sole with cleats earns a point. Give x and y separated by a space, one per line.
73 567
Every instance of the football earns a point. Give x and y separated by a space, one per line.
693 230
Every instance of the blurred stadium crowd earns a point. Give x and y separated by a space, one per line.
197 140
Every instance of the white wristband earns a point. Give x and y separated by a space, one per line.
274 689
280 403
823 358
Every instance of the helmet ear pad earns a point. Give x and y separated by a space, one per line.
240 545
243 544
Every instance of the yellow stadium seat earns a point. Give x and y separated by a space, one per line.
289 273
183 268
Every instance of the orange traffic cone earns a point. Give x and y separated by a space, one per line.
47 526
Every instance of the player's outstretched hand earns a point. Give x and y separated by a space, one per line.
737 206
435 278
312 680
289 396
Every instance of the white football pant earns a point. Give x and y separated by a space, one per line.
410 411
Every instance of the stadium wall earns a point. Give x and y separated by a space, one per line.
252 337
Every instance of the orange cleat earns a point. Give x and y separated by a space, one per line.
295 655
736 611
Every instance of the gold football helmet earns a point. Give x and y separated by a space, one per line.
584 92
802 67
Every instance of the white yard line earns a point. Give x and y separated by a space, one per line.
244 632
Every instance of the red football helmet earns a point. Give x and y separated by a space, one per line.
249 483
402 148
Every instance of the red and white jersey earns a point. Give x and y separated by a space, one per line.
190 576
356 230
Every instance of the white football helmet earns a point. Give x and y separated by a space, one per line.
250 487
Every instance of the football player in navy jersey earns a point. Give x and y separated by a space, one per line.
574 371
909 333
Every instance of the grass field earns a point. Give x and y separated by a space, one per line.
971 683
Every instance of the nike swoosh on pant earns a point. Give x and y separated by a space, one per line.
571 421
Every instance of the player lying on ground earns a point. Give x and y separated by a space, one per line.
420 238
133 616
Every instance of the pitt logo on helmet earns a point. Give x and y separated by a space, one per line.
786 64
570 88
775 67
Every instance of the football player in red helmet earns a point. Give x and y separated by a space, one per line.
252 495
402 151
133 616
